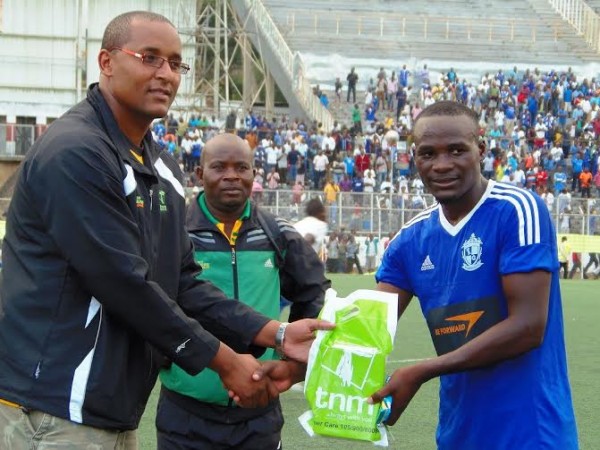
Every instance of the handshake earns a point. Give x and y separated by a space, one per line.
252 384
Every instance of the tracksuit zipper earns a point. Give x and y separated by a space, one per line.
235 296
236 293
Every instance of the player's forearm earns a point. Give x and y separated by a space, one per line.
297 371
506 340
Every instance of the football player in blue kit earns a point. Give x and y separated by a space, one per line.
483 263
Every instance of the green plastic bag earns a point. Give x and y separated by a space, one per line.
346 365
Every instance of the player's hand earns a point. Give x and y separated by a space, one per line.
299 336
236 371
402 386
283 374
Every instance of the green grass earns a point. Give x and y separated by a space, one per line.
416 427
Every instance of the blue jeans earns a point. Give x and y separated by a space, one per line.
333 209
291 174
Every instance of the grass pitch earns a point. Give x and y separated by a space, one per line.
416 428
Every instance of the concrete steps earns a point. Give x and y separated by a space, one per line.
496 34
575 43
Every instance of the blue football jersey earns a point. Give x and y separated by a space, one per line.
456 272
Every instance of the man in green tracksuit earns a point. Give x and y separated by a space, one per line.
253 257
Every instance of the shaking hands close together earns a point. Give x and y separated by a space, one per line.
254 384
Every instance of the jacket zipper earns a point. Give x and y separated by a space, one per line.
151 195
236 297
235 273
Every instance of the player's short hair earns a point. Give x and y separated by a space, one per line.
448 108
116 33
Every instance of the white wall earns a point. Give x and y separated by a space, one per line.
38 49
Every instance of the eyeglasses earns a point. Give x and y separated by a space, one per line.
156 61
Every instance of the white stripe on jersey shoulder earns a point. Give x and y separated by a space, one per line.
423 215
167 174
129 183
527 210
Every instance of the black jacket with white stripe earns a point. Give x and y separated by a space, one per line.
97 267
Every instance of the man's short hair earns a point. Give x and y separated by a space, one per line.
448 108
116 33
314 207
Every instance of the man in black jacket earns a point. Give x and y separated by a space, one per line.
352 79
99 270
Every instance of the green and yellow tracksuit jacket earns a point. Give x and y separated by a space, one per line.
247 268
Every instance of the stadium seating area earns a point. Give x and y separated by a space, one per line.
440 33
537 119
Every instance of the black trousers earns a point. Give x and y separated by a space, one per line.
351 89
178 429
576 266
592 262
351 261
564 266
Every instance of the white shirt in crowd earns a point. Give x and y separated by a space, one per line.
302 147
186 144
328 142
418 186
520 177
549 199
488 163
272 155
369 180
556 153
310 227
320 162
386 186
282 157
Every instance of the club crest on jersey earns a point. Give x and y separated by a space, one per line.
471 253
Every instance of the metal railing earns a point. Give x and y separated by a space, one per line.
291 62
382 214
582 18
395 25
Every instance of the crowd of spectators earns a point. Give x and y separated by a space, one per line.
541 131
539 128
